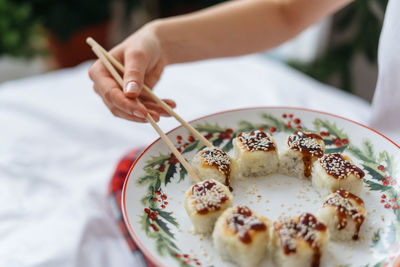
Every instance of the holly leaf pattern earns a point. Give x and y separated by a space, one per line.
191 147
164 227
335 150
229 145
359 154
168 216
331 127
375 186
376 237
157 160
182 173
368 150
275 122
208 128
169 174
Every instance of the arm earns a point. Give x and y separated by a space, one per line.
230 29
238 27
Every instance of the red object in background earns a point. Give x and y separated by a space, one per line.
75 50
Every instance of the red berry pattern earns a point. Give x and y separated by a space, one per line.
227 134
161 198
389 203
322 133
186 259
291 121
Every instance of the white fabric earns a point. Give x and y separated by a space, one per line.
386 101
59 145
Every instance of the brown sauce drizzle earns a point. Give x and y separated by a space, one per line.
308 146
218 158
338 167
305 227
256 141
242 221
208 196
344 208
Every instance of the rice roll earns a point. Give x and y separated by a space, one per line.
343 213
301 151
255 153
241 236
212 162
204 203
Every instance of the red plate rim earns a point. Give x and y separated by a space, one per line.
145 251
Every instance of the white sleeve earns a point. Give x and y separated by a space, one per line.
386 102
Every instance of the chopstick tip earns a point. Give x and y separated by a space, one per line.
90 41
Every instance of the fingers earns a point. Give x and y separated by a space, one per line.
111 92
121 114
154 75
117 112
136 63
155 107
132 104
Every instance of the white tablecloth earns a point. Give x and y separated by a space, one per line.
59 145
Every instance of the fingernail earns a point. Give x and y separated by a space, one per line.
138 114
132 87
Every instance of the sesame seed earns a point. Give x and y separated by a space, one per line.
338 167
256 140
218 158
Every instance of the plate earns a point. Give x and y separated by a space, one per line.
153 193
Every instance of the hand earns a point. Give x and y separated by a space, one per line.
142 56
397 262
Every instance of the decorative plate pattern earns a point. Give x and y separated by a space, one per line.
153 193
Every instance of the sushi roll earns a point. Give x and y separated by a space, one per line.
255 153
213 162
301 151
241 236
299 241
336 171
343 213
204 203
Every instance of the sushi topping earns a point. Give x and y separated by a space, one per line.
208 196
242 221
308 145
218 158
256 140
305 227
338 167
345 208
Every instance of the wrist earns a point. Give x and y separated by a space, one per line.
158 30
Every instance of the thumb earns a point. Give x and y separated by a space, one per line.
135 70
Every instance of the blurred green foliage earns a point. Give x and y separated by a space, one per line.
364 24
24 22
19 29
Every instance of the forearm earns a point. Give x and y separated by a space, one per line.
238 27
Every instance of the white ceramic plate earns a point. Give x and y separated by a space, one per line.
153 193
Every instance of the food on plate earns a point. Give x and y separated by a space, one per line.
204 203
301 151
343 213
212 162
299 241
336 171
255 154
242 236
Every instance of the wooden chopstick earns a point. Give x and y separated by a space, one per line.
170 145
167 108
